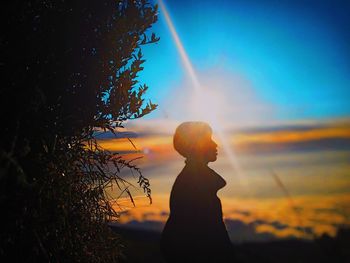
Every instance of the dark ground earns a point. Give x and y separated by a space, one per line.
143 246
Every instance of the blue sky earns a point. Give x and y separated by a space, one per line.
295 55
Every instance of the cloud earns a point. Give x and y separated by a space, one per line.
155 137
329 144
242 212
312 136
101 135
149 225
259 219
243 232
311 158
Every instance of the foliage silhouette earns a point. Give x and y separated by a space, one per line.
70 68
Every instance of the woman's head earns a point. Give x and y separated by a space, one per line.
193 141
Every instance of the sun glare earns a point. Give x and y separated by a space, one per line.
207 102
208 105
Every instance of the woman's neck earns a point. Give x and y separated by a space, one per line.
196 161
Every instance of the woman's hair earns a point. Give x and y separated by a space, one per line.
188 135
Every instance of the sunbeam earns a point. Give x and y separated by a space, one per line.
202 99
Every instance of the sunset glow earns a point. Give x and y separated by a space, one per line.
318 180
276 96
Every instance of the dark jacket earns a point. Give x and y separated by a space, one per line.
195 231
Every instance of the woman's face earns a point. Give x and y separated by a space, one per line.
207 149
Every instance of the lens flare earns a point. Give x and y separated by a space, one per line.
201 98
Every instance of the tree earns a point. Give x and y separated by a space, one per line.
70 69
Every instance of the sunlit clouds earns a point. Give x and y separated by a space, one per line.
156 136
312 159
250 219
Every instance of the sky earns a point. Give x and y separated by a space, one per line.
293 55
274 78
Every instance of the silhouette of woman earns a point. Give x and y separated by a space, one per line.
195 231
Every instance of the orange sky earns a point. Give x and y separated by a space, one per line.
162 143
317 179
